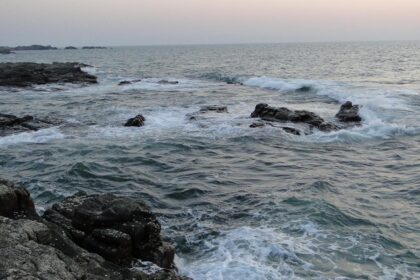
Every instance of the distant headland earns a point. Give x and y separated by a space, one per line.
9 50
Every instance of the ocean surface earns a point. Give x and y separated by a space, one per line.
240 202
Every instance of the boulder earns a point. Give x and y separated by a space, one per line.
136 121
282 114
166 82
10 124
119 229
100 237
15 201
23 74
126 82
348 113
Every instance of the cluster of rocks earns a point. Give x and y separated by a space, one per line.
10 124
94 48
136 121
348 113
84 237
25 74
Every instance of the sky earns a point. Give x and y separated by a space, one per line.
157 22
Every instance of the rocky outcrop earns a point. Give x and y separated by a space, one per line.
10 124
15 201
33 48
282 114
348 113
166 82
93 48
25 74
70 48
207 109
287 129
136 121
127 82
84 237
5 50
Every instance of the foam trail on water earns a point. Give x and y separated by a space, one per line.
40 136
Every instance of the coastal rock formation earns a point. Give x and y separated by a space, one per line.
166 82
25 74
349 113
136 121
207 109
5 50
10 124
83 237
287 129
126 82
33 48
93 48
70 48
282 114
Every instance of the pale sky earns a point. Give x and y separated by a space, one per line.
146 22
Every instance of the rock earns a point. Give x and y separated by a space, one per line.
5 50
36 248
70 48
15 201
292 130
166 82
10 124
282 114
349 113
213 108
136 121
119 229
25 74
126 82
93 48
34 48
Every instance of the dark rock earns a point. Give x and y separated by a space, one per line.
282 114
5 50
15 201
33 48
70 48
213 108
10 124
36 248
349 113
292 130
25 74
126 82
119 229
136 121
166 82
93 48
257 125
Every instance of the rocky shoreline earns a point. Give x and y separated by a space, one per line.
83 237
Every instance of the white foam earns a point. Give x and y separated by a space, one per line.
40 136
154 84
248 253
277 84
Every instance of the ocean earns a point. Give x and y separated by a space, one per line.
240 202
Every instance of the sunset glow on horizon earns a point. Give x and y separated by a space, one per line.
133 22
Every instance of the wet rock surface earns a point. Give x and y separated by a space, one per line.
24 74
136 121
282 114
83 237
10 124
128 82
349 113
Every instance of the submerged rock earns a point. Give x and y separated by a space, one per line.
349 113
136 121
207 109
83 237
126 82
282 114
166 82
34 48
10 124
25 74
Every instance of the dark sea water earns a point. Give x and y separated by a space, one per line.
237 202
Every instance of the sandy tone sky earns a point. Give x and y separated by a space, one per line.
143 22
